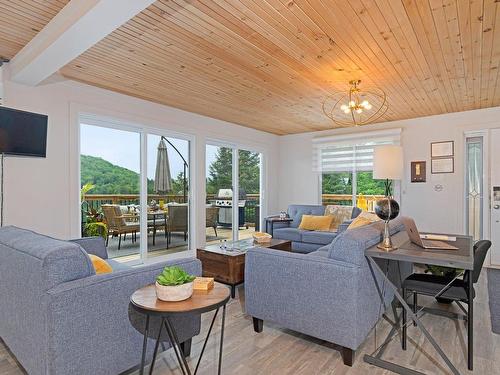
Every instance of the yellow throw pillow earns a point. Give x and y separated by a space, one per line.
339 215
100 265
313 222
364 218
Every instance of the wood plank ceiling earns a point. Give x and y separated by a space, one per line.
21 20
269 64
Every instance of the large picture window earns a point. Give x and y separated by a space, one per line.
345 167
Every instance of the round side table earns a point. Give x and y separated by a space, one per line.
145 302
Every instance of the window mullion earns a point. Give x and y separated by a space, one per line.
354 181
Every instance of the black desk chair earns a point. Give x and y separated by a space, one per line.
454 290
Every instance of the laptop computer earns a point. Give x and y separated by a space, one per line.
411 229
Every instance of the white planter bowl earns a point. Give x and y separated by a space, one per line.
174 293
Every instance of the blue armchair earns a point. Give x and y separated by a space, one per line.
305 241
59 317
329 294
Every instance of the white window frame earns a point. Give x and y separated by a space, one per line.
353 137
92 119
235 180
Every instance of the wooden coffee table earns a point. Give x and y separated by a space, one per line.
228 266
145 302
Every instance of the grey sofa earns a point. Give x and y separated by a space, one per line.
329 294
306 241
58 317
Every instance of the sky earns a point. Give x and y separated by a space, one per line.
122 148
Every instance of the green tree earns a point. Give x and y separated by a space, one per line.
366 185
249 171
337 183
220 171
341 183
178 184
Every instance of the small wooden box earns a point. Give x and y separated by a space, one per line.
260 237
203 283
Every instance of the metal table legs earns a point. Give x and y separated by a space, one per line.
144 346
172 335
375 360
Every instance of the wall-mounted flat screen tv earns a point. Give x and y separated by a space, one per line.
22 133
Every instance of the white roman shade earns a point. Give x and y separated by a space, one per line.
346 153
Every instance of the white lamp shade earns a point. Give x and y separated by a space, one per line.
388 162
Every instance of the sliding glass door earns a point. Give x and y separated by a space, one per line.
134 189
110 165
231 216
219 185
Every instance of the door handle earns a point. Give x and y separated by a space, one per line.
496 206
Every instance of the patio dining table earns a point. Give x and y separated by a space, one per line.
154 216
161 215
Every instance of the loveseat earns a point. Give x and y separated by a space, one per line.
306 241
329 294
58 317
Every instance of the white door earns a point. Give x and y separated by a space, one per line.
495 196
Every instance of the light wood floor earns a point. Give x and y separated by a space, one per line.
281 351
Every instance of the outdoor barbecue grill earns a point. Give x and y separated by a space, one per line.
224 201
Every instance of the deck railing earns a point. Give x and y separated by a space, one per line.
252 202
366 202
96 200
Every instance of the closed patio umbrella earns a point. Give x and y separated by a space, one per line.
163 180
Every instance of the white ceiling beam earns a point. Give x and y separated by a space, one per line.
76 28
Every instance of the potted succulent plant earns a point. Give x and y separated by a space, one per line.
174 284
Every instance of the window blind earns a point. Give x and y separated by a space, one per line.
345 153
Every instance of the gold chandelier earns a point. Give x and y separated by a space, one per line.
355 107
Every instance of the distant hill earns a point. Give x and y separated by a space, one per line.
109 178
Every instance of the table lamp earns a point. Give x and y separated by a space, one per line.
388 166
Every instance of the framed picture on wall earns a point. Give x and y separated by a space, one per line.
442 165
418 172
442 149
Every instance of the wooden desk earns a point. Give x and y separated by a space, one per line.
407 251
462 258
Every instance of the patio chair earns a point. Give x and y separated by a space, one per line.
117 223
177 220
211 218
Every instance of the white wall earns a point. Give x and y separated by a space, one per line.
42 194
433 211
